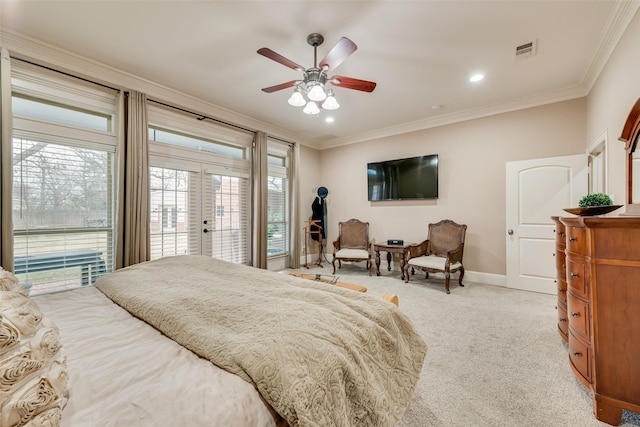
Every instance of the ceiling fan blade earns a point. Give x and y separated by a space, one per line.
350 83
338 54
279 58
280 86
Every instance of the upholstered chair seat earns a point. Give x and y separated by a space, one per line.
352 244
433 262
353 253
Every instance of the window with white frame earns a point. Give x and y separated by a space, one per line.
278 199
63 160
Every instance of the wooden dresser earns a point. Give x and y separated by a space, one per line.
603 306
561 279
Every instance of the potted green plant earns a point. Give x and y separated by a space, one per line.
595 199
594 204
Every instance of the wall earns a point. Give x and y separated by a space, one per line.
609 103
472 157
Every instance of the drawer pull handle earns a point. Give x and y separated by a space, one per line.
572 239
563 319
574 314
573 274
576 353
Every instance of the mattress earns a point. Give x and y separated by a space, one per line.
123 372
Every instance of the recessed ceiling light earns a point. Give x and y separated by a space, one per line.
436 107
329 120
476 77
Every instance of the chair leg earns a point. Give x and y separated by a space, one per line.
334 265
406 273
461 276
447 276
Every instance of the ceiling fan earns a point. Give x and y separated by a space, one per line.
315 78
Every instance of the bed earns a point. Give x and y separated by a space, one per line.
195 341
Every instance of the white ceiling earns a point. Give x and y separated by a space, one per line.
420 53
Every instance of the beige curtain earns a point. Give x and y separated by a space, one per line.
133 240
294 213
6 166
260 200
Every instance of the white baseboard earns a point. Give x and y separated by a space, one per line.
486 278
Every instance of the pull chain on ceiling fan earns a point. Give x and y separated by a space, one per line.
314 79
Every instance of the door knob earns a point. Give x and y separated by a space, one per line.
509 232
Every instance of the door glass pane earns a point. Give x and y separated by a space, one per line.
173 229
229 235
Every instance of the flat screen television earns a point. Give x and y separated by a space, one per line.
412 178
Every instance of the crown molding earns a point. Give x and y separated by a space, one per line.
620 18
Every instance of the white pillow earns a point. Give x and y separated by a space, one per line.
33 369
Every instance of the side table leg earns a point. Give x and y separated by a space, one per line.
402 265
388 261
377 262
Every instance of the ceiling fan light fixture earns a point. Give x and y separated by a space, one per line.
314 79
317 93
331 103
311 108
296 99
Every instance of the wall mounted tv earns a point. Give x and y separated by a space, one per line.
413 178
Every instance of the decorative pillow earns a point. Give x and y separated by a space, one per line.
33 369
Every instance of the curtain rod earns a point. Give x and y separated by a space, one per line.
64 73
199 116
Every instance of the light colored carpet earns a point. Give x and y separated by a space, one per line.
495 357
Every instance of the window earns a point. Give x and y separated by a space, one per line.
278 200
63 161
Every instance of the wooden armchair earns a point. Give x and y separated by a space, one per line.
352 244
440 253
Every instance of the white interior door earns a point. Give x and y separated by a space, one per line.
536 190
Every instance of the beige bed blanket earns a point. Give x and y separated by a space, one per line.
318 354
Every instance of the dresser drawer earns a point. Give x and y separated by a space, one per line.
563 323
576 278
560 262
562 291
576 240
578 315
580 356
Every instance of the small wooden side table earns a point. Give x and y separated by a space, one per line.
389 249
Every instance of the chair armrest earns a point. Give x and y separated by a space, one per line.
456 254
336 245
420 249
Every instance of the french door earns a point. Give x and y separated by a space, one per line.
197 210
